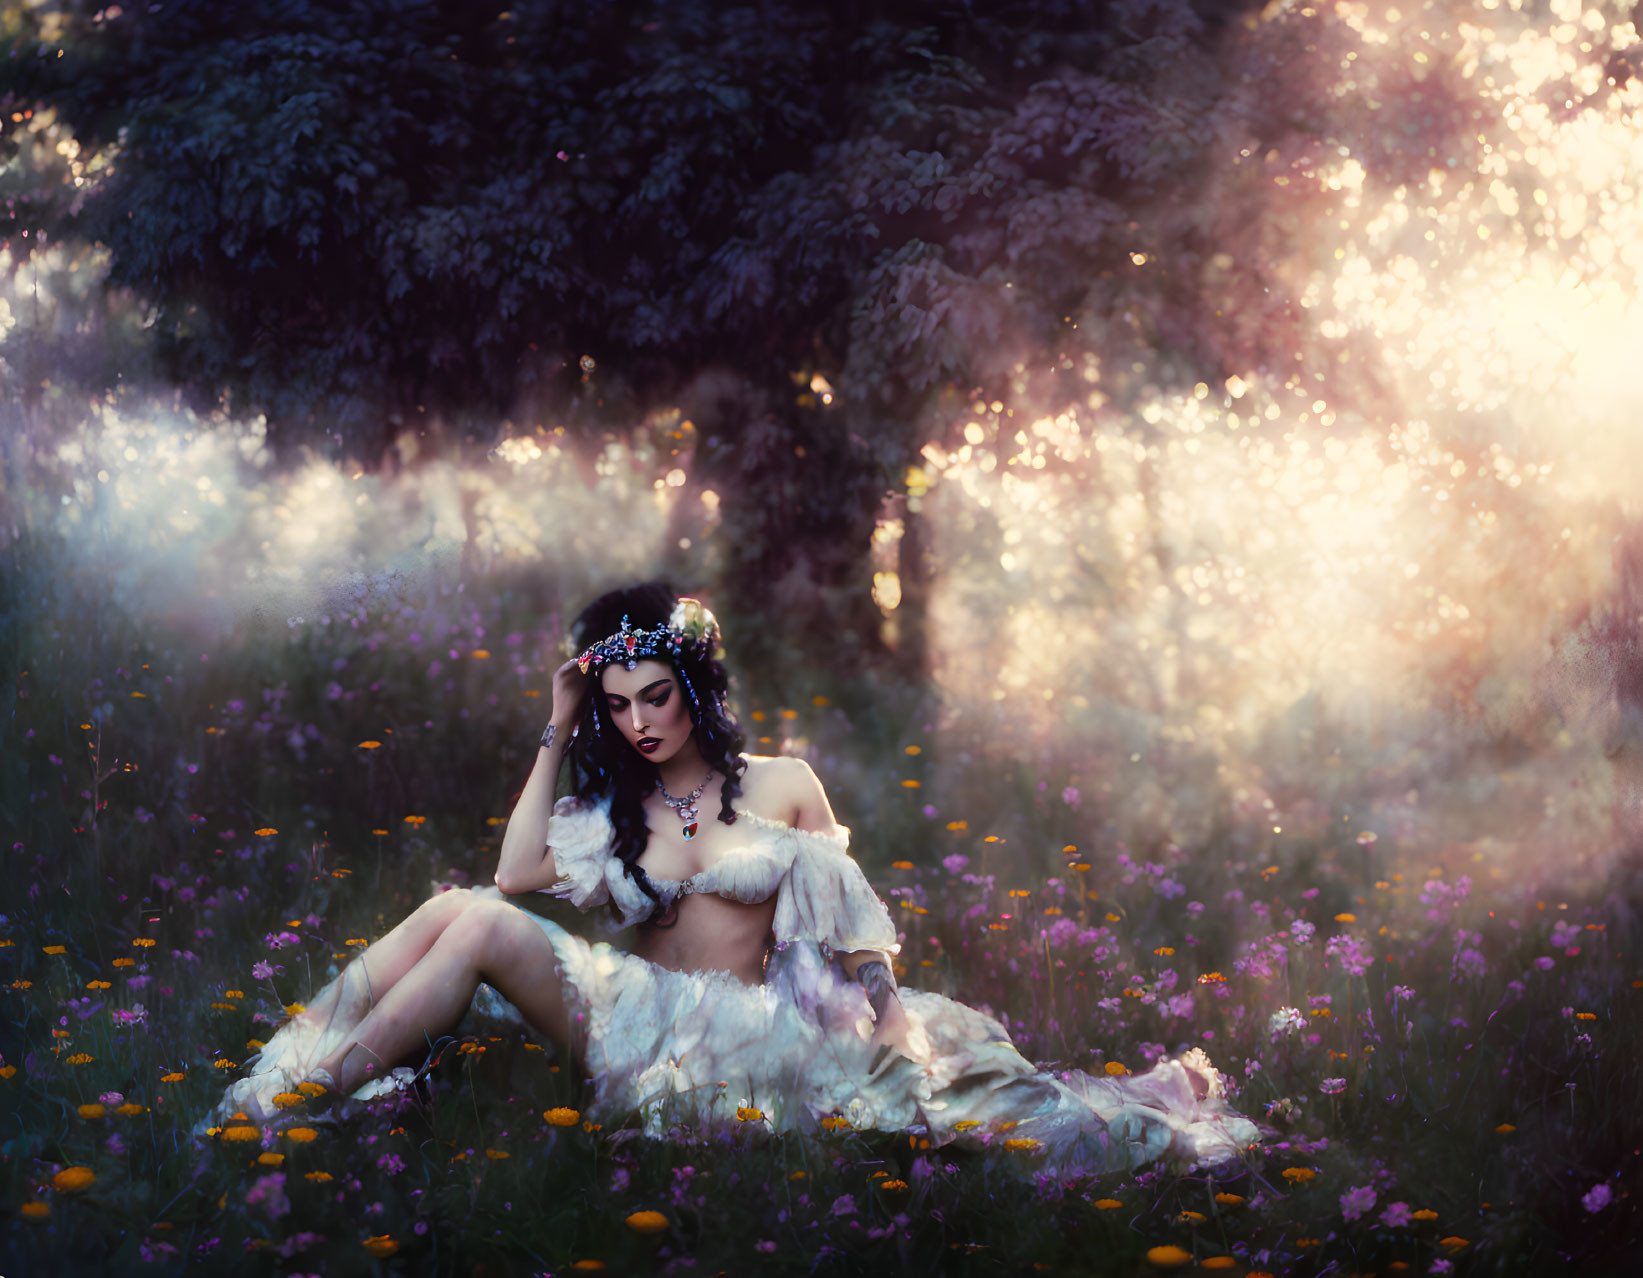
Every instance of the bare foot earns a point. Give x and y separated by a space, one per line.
1205 1078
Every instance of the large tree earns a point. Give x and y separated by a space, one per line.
426 215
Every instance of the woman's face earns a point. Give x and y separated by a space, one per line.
648 707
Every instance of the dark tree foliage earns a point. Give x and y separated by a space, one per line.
363 218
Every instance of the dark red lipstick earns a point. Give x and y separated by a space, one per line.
648 744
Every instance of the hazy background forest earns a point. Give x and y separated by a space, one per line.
1193 443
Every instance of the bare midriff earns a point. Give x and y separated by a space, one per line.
712 933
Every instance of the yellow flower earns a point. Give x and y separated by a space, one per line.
1506 1129
176 1076
748 1114
1585 1016
1107 1204
839 1123
647 1222
241 1132
266 831
1346 918
1229 1200
295 1009
370 745
268 1158
287 1099
125 962
1453 1243
54 949
1115 1068
7 1071
1190 1217
143 942
35 1210
909 785
1021 1142
599 1264
81 1058
901 865
73 1179
1218 1262
381 1245
1165 950
311 1089
893 1186
560 1116
496 1153
1168 1256
1299 1174
1425 1213
302 1135
99 985
317 1177
93 1110
416 820
233 993
222 1062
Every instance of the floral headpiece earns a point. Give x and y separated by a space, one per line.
691 629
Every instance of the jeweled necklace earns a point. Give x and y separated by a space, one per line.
685 807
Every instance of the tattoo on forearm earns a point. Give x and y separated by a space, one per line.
874 977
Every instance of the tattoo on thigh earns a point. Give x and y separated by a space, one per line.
874 977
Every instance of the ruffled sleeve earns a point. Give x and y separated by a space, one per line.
825 897
579 835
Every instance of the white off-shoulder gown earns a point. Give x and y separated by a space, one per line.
688 1049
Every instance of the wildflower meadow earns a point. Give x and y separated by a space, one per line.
1171 467
199 834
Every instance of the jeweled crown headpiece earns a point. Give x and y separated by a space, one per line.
690 629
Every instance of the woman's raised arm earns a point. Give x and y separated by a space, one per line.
526 863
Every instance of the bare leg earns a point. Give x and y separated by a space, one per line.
489 940
375 971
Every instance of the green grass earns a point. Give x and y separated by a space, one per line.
209 796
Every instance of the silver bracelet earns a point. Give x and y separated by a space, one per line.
547 736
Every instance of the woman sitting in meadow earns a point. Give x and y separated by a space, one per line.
758 974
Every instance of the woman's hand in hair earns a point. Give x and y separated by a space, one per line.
570 694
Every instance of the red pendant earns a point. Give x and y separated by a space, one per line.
690 831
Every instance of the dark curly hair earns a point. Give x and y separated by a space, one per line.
602 761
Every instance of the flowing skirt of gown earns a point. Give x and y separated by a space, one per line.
691 1048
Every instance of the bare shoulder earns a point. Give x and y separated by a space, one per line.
785 789
778 772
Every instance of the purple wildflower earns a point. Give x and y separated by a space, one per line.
1357 1200
1351 953
1597 1197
